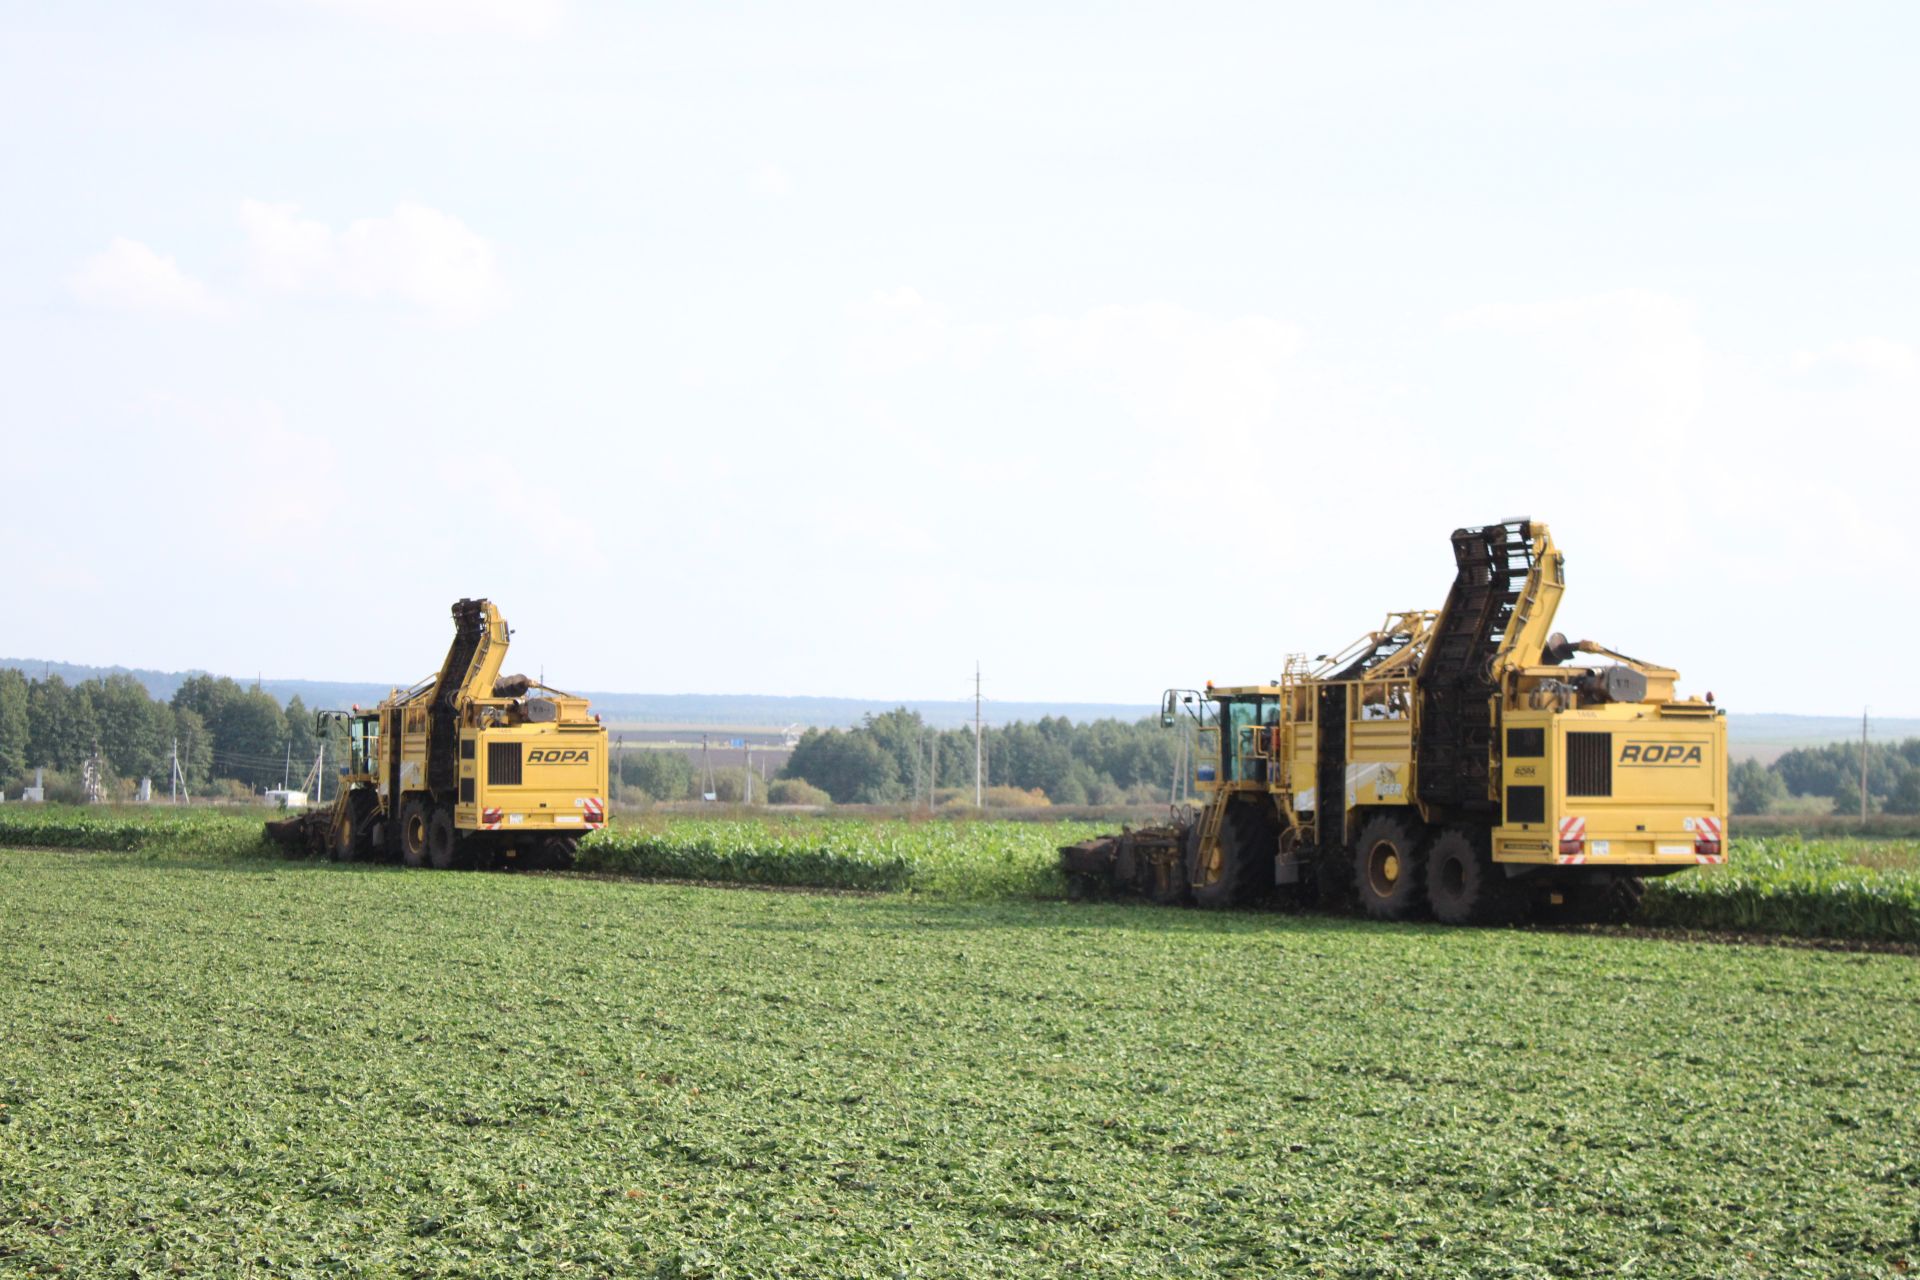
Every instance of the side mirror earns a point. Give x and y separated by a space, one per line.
1169 709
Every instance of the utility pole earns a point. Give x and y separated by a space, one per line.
978 759
90 774
933 767
173 774
749 772
1863 765
286 770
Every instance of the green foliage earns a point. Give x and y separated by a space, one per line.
1905 799
662 775
1823 889
301 1069
224 731
61 724
1833 771
795 791
1754 788
948 858
15 731
852 766
185 832
887 759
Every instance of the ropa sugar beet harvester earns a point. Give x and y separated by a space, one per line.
1458 764
466 768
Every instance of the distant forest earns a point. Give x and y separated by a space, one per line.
1816 779
232 740
236 739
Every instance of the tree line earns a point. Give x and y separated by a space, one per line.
1831 773
897 757
230 738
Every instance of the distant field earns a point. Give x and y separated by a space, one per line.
765 747
301 1069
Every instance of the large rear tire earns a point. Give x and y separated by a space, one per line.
1390 866
413 832
555 853
1613 902
1466 886
346 837
352 840
443 839
1249 843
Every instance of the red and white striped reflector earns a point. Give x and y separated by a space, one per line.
1573 840
490 819
596 812
1709 841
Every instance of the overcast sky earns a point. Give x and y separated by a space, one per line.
826 348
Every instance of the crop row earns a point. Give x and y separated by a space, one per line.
187 832
1785 885
1810 889
963 859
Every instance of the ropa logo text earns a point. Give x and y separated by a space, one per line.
559 755
1660 753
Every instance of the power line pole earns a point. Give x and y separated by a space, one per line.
933 767
978 759
173 774
1863 764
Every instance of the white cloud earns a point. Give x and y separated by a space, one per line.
528 18
128 276
418 256
1866 355
1170 365
897 330
1629 364
772 182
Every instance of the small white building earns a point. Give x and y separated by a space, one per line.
281 799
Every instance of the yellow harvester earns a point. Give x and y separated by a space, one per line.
1459 763
466 767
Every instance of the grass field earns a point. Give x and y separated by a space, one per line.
298 1069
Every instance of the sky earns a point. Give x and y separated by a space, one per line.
830 349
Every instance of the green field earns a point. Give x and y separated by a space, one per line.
297 1069
1847 888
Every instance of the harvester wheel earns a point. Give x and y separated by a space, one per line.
1465 886
353 838
1613 902
346 837
413 832
1248 846
555 853
1391 868
443 839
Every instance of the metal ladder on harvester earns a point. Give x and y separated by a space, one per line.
1210 820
